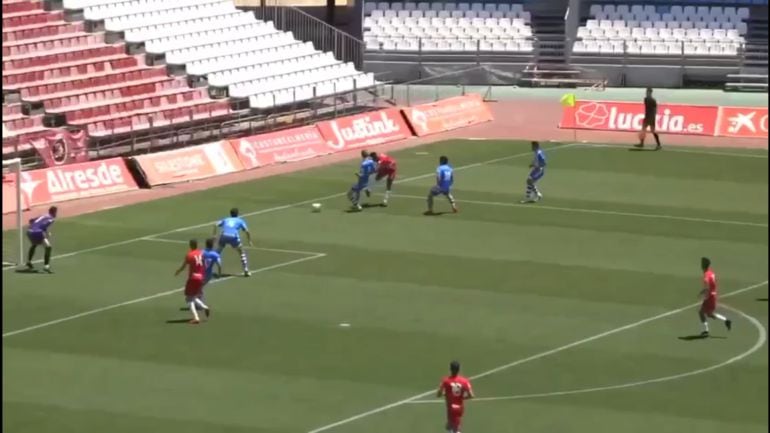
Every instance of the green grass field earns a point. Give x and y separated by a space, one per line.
570 314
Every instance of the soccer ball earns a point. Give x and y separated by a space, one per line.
316 207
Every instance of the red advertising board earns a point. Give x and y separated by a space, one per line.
283 146
72 181
9 195
448 114
365 129
189 163
742 122
628 116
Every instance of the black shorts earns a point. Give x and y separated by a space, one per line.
648 122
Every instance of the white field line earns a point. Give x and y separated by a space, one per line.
279 208
276 250
761 340
679 149
595 211
150 297
527 359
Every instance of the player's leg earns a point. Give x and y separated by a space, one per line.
190 300
47 255
451 200
221 244
703 320
244 258
535 176
655 135
35 239
388 187
432 193
642 134
354 195
728 323
199 302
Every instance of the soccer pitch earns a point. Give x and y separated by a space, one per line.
572 315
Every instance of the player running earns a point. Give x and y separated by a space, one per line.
709 295
455 389
232 227
364 173
38 234
211 258
386 168
444 181
536 172
193 288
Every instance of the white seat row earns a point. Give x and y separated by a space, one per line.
263 70
231 61
525 15
126 22
675 10
370 7
669 48
449 32
619 24
309 91
291 79
141 34
187 55
116 9
448 22
644 16
664 34
82 4
165 44
465 45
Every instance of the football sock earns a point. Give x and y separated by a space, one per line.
720 317
387 195
244 261
706 326
530 190
430 202
194 311
47 256
657 139
451 199
535 190
200 303
31 253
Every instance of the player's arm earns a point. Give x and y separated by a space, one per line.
469 393
440 391
216 227
181 268
245 229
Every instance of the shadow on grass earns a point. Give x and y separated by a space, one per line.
177 321
643 149
699 337
28 271
762 299
434 214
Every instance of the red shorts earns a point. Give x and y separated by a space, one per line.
193 287
390 173
454 417
709 305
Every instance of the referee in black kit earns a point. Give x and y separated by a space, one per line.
650 112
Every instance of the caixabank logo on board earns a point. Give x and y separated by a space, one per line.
745 122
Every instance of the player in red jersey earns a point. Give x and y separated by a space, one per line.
196 277
455 389
709 295
386 168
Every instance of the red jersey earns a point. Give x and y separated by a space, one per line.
194 260
710 283
386 163
456 389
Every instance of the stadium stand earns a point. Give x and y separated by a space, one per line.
438 26
80 68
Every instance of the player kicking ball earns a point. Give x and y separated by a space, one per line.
365 171
444 181
193 288
231 228
38 234
709 295
386 168
455 389
536 172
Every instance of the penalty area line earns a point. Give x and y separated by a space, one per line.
760 342
154 296
274 250
529 359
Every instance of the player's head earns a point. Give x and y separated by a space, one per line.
193 244
374 156
443 160
649 91
535 145
454 368
234 212
364 154
53 210
210 243
705 263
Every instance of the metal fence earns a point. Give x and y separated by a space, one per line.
306 27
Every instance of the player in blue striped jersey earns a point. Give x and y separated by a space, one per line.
536 172
365 171
232 227
444 180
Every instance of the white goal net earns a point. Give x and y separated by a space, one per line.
13 208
